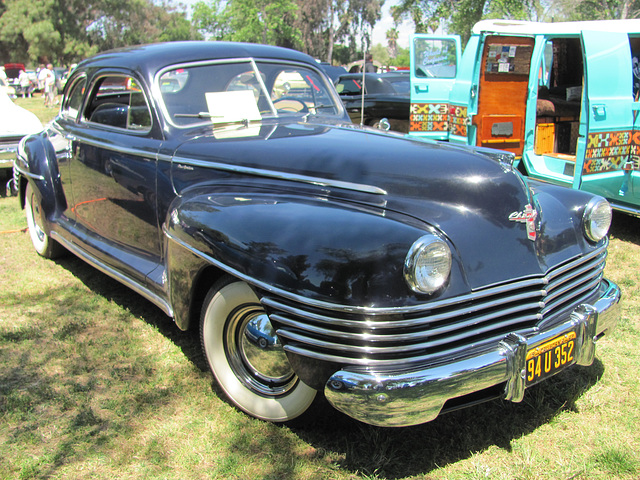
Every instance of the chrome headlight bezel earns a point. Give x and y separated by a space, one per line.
427 265
596 219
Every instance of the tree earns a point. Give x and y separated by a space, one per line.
65 31
593 9
392 42
259 21
312 26
459 16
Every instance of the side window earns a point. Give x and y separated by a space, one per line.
118 101
73 102
435 58
634 44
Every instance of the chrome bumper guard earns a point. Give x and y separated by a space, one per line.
417 396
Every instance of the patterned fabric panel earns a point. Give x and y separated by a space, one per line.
429 117
608 151
458 120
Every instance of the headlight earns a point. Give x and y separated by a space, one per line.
596 219
427 265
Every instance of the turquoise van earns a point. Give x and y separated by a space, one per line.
562 97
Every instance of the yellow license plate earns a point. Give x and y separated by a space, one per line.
550 357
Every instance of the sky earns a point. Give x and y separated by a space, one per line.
379 34
386 22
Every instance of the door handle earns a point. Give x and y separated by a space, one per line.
599 110
421 88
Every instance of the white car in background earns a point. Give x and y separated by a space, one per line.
7 89
15 123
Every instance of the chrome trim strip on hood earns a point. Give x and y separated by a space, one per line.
259 172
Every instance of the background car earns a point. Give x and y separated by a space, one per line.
6 89
386 95
397 277
15 123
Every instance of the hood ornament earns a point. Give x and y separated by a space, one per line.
528 217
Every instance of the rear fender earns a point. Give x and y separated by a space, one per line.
331 252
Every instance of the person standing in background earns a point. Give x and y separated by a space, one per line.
25 84
49 80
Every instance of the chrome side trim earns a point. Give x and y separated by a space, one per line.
117 148
104 268
259 172
30 175
402 397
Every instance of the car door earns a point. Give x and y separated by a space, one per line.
609 124
113 176
434 66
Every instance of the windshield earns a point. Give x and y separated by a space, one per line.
243 91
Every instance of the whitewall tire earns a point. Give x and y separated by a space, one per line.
246 357
43 244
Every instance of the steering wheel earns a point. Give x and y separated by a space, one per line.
291 108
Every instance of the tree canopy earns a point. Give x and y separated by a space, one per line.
65 31
459 16
312 26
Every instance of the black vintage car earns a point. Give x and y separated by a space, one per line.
386 99
399 278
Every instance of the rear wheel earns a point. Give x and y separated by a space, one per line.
44 245
246 356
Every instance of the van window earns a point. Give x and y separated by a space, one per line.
634 43
435 58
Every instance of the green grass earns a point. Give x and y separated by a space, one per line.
35 104
95 382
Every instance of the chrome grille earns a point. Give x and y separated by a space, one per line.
360 336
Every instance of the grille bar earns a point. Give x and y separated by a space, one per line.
438 327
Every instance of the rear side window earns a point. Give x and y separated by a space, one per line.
118 101
73 101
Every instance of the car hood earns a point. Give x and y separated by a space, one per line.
15 121
471 199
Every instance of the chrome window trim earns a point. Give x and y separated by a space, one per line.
321 182
82 77
157 93
90 96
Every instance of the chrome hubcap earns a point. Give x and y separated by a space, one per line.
255 354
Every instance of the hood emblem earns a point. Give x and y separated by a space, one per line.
528 217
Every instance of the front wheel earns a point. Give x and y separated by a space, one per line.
43 243
246 356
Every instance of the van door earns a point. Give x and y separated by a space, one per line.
608 134
434 65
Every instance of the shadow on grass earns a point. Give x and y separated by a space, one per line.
105 286
383 452
625 227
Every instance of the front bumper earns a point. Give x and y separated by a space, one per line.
416 396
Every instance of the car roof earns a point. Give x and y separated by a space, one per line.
153 57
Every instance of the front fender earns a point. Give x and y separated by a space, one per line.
36 162
326 251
